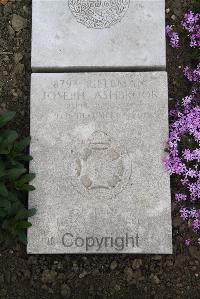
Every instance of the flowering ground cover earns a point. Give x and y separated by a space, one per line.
183 160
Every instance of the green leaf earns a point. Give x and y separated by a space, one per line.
31 212
26 187
4 235
25 214
4 203
16 164
2 173
4 151
3 190
12 197
5 224
22 214
15 207
6 117
3 213
23 224
22 144
2 165
15 173
22 237
24 158
9 137
25 179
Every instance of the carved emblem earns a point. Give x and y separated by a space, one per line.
98 14
101 168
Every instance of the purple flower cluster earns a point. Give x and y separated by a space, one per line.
192 215
186 123
191 23
192 75
188 242
189 155
180 197
173 36
183 159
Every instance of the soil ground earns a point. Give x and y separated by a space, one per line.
94 276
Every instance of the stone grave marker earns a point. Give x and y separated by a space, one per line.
98 34
98 143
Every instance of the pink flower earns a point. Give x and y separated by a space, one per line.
192 75
188 242
173 36
180 197
196 225
184 213
191 24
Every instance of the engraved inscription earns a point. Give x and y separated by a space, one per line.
98 14
100 168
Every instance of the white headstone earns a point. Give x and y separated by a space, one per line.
69 34
98 142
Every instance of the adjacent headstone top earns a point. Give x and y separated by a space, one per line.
98 142
84 34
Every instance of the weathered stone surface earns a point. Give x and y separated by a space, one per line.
98 142
67 34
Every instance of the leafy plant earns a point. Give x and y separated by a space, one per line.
14 182
196 6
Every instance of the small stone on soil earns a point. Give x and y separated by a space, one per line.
113 265
18 23
65 291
